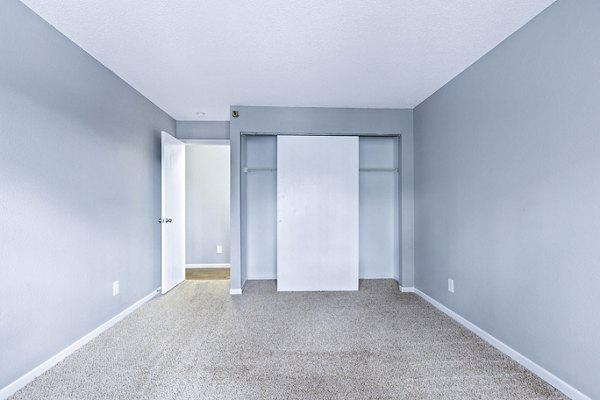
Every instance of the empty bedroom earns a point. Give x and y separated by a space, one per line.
299 200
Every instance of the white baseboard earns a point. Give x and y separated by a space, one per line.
544 374
377 277
262 278
192 266
406 289
274 277
235 291
11 388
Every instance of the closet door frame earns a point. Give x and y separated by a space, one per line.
238 219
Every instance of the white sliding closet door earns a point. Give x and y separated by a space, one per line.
317 213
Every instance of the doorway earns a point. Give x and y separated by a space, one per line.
207 209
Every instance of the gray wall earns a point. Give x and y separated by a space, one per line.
259 203
79 196
207 203
507 192
284 120
378 205
203 129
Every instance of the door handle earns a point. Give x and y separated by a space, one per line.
168 220
165 220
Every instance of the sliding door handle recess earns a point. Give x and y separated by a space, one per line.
168 220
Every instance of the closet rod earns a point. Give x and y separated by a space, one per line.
359 134
250 170
378 170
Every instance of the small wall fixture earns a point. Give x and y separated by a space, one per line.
235 113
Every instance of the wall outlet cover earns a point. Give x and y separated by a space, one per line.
115 287
219 249
451 285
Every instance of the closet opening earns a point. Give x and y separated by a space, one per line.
379 206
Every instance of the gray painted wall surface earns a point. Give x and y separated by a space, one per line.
79 196
259 203
379 217
507 190
207 203
379 221
321 120
202 129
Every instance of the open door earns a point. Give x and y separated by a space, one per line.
172 212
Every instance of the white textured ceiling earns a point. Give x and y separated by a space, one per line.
190 55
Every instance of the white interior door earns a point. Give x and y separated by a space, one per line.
173 212
317 213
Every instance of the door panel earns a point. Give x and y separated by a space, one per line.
172 211
317 213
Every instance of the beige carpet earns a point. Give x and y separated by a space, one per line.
197 342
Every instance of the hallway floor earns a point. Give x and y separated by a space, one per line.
206 274
198 342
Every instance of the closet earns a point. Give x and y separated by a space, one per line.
333 250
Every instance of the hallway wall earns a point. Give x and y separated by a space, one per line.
207 203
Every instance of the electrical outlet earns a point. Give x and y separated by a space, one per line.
451 285
115 288
219 249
